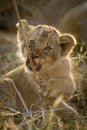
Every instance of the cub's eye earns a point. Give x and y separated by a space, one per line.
31 43
47 48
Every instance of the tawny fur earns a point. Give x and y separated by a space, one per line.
52 49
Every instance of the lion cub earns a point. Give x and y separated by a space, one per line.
49 51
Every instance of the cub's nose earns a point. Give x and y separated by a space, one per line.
31 43
34 56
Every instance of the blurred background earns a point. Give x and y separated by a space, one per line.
68 16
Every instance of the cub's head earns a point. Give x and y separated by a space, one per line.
46 43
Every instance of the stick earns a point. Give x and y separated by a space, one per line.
22 100
23 34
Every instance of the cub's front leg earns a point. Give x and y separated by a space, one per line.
8 95
53 88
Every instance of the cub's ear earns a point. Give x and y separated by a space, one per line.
26 28
67 41
25 25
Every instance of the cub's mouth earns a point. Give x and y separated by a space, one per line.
37 65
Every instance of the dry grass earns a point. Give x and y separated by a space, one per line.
46 119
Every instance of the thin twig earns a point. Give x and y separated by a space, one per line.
22 100
23 35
